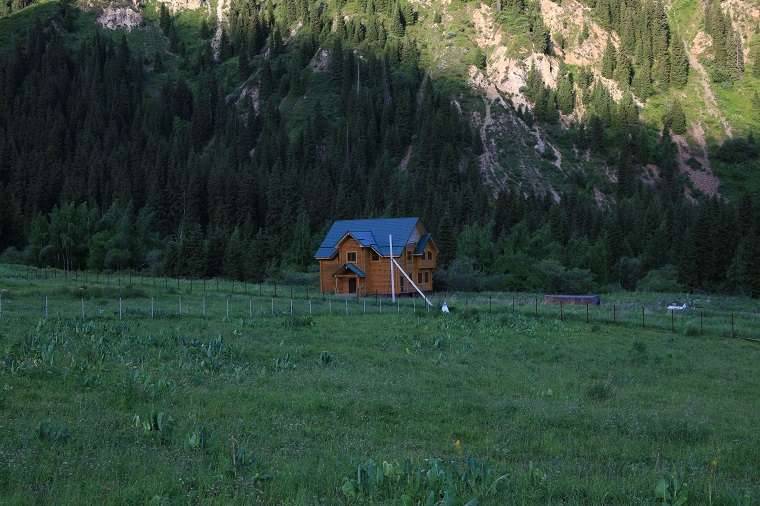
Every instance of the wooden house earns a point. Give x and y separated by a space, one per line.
355 257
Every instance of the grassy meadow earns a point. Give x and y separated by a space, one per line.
399 407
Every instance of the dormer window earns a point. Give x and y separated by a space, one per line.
351 257
408 255
429 255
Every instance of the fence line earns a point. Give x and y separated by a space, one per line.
697 322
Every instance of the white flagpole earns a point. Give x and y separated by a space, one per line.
393 282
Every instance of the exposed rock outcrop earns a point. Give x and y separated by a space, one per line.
120 18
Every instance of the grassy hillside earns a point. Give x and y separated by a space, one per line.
281 410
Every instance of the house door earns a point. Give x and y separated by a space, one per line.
351 285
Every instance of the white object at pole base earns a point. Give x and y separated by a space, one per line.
445 307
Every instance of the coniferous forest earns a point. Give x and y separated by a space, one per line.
234 164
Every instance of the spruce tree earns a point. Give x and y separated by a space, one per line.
566 94
675 119
679 63
609 60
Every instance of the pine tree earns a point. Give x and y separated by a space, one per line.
566 94
675 119
679 63
609 60
446 240
623 70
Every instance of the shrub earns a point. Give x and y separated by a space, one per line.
599 391
53 432
664 279
553 276
299 322
738 150
470 314
12 256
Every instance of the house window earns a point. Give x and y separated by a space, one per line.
351 257
419 277
429 255
427 276
375 257
408 255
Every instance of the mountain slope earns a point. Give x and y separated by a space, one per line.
547 144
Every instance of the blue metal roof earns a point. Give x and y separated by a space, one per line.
420 249
371 233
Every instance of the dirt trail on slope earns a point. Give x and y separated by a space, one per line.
702 177
709 97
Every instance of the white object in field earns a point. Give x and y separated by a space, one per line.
676 307
445 307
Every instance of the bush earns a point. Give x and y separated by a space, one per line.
599 391
300 278
664 279
554 277
462 276
738 150
470 313
12 256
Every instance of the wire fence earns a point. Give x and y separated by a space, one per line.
268 300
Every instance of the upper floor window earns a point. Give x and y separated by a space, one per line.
351 256
375 257
427 278
429 255
419 277
408 255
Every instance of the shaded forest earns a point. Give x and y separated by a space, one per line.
112 159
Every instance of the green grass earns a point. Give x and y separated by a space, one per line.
144 410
